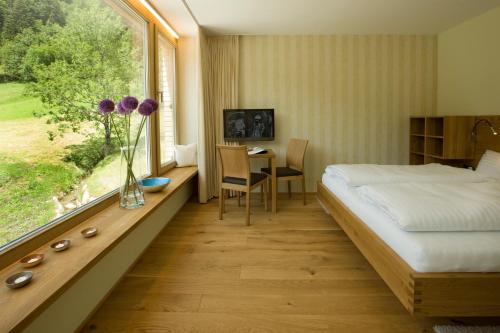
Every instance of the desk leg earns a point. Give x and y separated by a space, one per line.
274 196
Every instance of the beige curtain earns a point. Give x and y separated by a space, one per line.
219 58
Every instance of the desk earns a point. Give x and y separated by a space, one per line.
271 157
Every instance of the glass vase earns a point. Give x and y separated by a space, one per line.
131 192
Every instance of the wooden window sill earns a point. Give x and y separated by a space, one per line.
60 270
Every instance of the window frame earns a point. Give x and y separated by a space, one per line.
164 167
33 239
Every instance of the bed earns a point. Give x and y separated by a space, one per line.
435 273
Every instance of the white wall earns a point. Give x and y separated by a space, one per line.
187 94
469 67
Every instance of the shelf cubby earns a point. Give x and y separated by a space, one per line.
440 139
417 126
416 158
417 144
434 147
434 126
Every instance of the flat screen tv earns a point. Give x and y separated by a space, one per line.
249 124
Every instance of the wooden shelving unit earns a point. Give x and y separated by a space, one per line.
443 140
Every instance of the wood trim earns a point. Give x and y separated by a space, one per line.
428 294
149 17
60 270
171 164
391 268
108 293
155 120
22 249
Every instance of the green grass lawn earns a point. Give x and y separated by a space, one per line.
106 176
32 170
26 190
14 104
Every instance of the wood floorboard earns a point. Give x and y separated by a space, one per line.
295 271
238 255
161 286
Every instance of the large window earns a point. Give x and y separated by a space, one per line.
57 61
166 91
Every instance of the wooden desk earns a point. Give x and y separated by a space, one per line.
271 157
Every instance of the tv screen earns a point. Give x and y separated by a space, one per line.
249 124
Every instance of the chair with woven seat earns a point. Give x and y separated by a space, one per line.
235 175
294 169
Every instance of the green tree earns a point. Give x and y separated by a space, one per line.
21 14
92 57
3 11
13 54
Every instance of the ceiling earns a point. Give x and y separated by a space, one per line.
249 17
177 15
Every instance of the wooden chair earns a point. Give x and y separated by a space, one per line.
235 175
294 169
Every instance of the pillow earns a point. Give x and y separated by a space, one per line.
185 155
489 165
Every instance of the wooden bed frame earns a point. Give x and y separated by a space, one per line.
428 294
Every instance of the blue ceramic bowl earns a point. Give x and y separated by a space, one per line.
155 184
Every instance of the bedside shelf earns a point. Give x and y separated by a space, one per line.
435 156
440 139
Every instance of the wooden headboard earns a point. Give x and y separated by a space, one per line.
485 139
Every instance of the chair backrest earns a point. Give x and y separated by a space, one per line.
295 153
234 161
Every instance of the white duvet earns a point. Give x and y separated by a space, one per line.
438 207
365 174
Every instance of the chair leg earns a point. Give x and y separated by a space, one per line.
238 193
261 192
304 189
247 197
289 188
221 202
266 191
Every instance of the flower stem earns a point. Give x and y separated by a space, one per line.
128 152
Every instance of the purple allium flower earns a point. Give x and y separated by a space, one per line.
129 103
152 102
106 106
122 110
146 109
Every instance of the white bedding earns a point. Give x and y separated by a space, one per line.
460 251
366 174
437 207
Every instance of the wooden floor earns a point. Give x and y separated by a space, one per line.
292 272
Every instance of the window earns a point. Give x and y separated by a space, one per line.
166 92
57 153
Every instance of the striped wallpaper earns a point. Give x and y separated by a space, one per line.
350 95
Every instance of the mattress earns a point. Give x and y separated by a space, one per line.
459 251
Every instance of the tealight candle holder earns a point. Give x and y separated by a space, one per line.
19 280
60 245
89 232
32 260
